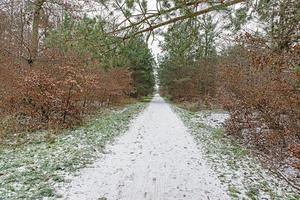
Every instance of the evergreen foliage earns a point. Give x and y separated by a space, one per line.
88 38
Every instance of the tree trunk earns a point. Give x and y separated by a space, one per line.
11 25
35 29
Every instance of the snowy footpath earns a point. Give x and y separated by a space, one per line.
156 159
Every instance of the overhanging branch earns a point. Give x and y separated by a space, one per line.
191 15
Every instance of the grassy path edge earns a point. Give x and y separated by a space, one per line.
243 175
32 170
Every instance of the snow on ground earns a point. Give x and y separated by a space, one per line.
214 120
32 169
156 159
237 169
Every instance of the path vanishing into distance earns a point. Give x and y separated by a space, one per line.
156 159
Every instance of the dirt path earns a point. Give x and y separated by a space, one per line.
156 159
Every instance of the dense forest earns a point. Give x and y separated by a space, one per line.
255 77
64 60
57 65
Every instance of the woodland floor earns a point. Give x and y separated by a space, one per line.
168 153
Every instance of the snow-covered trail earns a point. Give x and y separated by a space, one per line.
156 159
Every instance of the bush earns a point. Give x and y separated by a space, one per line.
260 87
59 92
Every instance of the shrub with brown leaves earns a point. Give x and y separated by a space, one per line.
260 87
58 92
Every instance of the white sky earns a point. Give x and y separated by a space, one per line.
154 42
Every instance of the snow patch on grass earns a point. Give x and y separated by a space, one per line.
211 119
235 166
32 170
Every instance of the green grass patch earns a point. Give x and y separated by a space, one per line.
252 193
218 133
147 99
233 191
31 170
